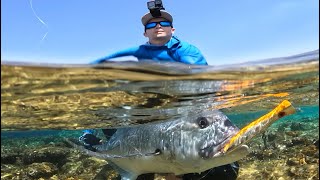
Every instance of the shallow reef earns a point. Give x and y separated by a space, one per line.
288 150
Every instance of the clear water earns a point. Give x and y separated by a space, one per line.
49 100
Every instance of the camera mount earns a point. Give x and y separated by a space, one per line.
155 7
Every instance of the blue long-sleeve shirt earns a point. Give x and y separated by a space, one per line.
174 50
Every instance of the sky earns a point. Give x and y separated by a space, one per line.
226 32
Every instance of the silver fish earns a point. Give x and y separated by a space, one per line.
190 145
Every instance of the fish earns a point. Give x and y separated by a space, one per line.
192 144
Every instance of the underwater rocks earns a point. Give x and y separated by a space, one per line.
296 126
41 170
9 157
29 159
31 171
296 162
32 163
51 161
55 155
298 141
287 150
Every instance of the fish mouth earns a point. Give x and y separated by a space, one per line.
213 149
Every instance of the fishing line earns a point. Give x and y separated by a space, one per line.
42 22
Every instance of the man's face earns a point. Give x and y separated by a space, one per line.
158 32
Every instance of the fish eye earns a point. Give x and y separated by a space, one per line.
203 122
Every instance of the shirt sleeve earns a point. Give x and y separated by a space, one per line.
192 55
126 52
